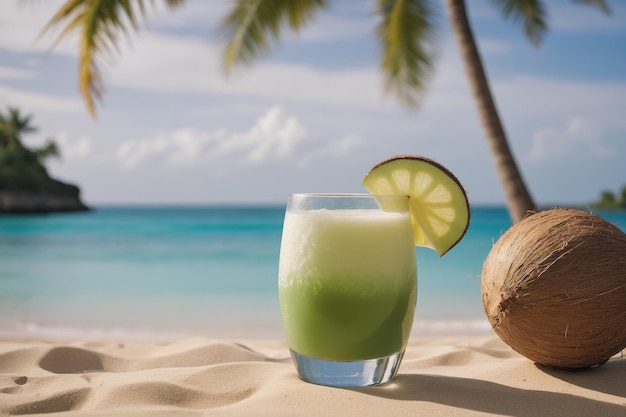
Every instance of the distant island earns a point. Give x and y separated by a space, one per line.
609 201
25 186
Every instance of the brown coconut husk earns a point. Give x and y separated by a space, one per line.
554 288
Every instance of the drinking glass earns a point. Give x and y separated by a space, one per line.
347 286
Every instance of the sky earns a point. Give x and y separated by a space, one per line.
312 115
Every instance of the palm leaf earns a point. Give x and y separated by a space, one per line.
49 150
530 13
14 124
99 23
251 25
407 35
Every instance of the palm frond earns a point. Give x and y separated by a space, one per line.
49 150
99 23
406 32
530 13
13 125
251 25
20 123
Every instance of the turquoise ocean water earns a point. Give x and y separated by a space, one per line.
172 272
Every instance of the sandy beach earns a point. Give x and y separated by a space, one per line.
471 376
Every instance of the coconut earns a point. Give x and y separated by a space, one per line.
554 288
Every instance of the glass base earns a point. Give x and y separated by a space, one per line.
347 374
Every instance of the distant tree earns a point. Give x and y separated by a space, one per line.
48 150
609 201
21 168
13 125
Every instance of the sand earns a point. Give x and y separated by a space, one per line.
468 376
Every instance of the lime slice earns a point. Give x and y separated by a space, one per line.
437 200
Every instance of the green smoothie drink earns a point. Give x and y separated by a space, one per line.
347 280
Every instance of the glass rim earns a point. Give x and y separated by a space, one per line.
348 195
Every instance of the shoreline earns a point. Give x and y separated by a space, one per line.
422 329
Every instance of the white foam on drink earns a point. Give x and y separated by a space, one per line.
357 244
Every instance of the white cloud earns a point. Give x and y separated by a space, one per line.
162 63
577 136
531 103
186 146
274 136
36 102
159 61
327 28
134 152
343 146
21 23
73 149
333 149
15 73
352 88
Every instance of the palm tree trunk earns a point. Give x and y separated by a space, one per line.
518 199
